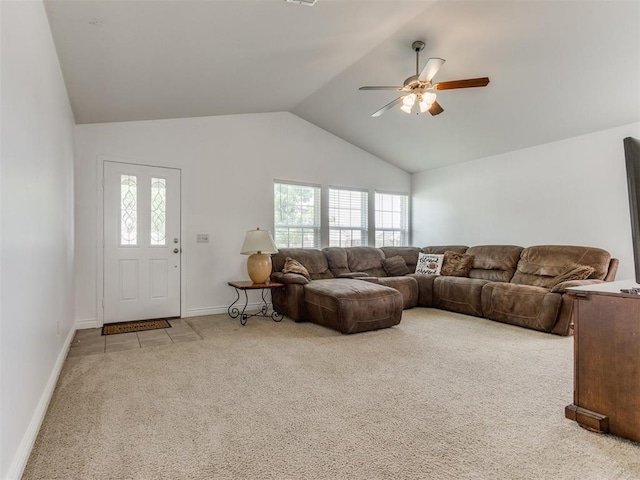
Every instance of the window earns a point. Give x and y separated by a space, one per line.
296 215
342 219
392 219
348 218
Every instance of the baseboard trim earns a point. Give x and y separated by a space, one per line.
28 440
193 312
198 312
86 323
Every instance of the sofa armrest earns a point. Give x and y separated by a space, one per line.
613 269
562 286
369 279
288 278
353 275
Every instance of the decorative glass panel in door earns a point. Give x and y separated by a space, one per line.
158 210
128 209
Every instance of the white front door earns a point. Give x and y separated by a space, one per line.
142 245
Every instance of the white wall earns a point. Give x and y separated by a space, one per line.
228 166
568 192
36 221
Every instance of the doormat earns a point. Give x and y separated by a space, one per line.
137 326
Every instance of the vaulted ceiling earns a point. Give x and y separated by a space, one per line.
558 68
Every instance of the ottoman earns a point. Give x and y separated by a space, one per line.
352 306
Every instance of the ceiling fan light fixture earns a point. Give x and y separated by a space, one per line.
426 100
429 97
424 106
420 88
409 100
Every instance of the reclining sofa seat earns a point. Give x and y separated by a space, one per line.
529 301
491 263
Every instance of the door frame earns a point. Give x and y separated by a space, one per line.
100 160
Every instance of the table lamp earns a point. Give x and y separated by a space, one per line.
259 245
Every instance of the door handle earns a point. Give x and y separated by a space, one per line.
176 250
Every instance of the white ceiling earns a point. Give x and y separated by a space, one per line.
558 68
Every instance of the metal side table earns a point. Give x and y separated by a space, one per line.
263 311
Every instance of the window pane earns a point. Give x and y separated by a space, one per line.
296 215
392 220
158 211
348 218
128 210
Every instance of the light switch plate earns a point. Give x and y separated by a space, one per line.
202 238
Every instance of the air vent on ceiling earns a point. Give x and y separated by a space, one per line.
308 3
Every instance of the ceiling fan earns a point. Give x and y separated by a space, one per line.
418 89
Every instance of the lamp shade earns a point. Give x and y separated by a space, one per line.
258 241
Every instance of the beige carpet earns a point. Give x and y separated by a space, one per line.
441 396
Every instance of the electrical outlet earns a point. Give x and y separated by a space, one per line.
202 238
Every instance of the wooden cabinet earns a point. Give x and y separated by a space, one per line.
606 394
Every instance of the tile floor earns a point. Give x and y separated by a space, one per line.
91 341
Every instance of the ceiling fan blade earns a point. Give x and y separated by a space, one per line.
388 106
436 109
471 82
430 69
380 88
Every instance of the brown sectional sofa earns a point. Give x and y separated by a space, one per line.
507 283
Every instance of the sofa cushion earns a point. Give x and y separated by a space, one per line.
539 264
395 266
522 305
367 260
409 254
337 260
313 260
459 294
494 262
429 264
456 264
295 267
